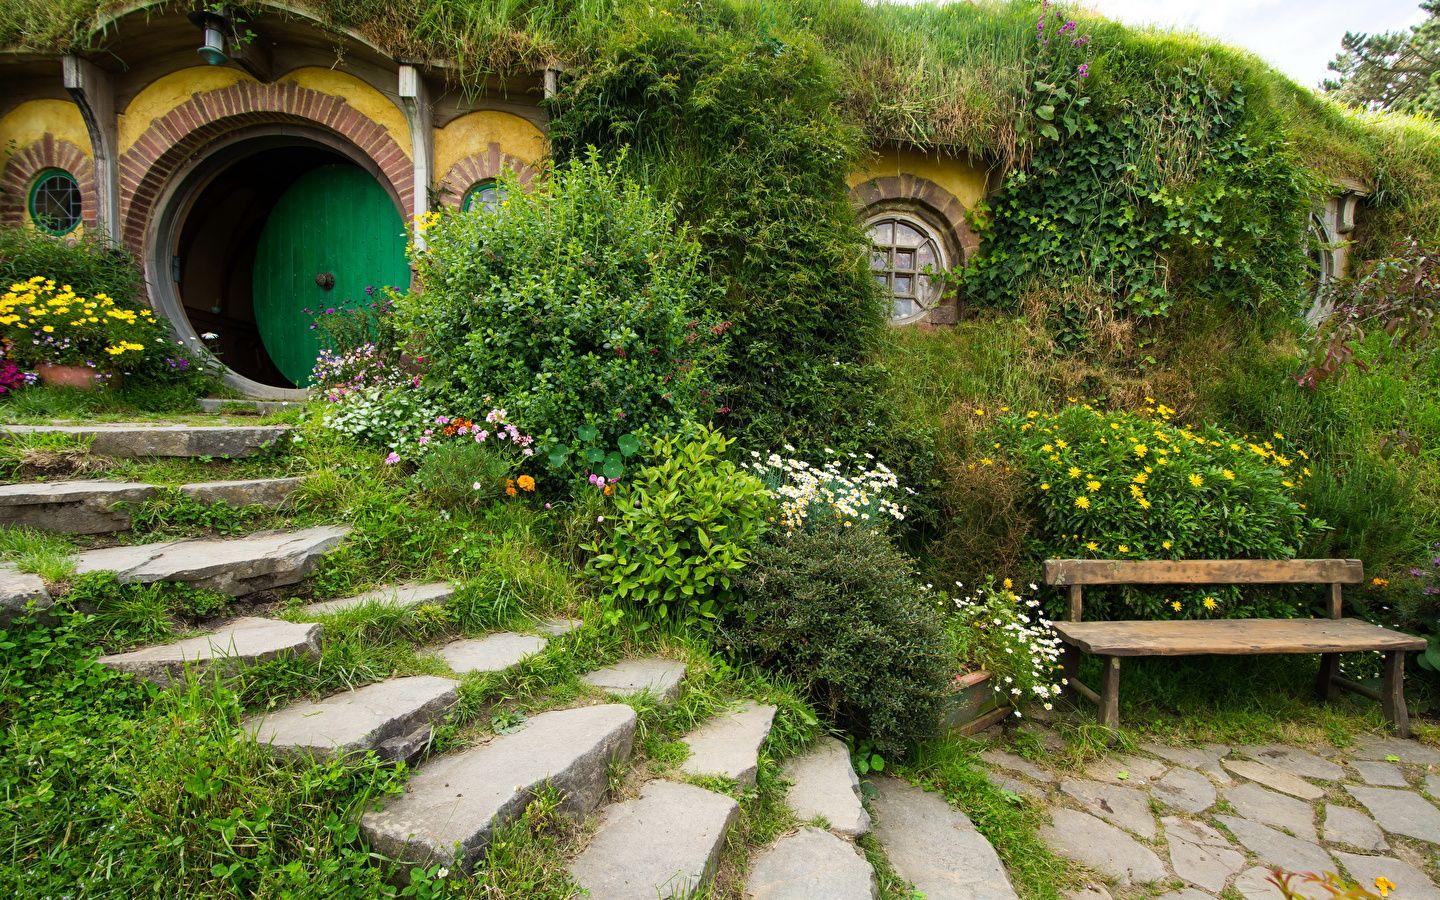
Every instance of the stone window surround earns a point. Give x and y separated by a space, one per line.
29 162
478 167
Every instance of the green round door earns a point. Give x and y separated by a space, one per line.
331 235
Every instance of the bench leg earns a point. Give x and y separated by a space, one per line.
1110 691
1070 668
1325 687
1392 693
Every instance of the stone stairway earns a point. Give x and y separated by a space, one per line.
96 506
140 440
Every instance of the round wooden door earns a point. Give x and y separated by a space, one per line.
332 234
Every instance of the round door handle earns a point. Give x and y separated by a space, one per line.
326 280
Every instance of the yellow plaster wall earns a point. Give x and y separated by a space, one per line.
473 132
167 92
371 103
958 175
31 120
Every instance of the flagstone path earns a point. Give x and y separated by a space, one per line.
1184 823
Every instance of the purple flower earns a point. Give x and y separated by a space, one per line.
1080 41
1067 27
392 459
1082 70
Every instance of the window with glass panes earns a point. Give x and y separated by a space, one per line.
55 202
907 263
485 195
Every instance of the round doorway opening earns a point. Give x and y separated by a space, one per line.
265 236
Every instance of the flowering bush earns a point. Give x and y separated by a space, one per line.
473 465
45 322
996 629
12 377
578 303
391 417
840 491
338 374
1135 486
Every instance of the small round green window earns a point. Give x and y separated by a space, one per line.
55 202
486 195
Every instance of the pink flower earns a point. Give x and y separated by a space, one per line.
392 459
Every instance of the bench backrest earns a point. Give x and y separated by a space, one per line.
1075 573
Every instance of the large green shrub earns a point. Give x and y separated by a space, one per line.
86 262
841 613
580 303
684 526
1123 485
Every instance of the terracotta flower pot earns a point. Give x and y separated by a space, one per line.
82 377
973 705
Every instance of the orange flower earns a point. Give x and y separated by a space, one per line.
526 483
510 487
609 489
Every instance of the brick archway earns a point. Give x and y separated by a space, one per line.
921 195
479 167
172 140
47 153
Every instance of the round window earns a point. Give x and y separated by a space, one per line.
907 263
485 195
55 202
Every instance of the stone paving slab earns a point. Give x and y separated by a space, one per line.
492 653
1400 812
1019 765
1380 774
558 627
71 507
1185 790
248 407
1276 810
810 865
1101 846
1296 761
1274 778
402 596
1277 848
132 440
935 846
658 677
235 566
1352 828
243 642
21 593
452 805
1204 759
1410 883
1127 807
393 717
1201 855
663 844
1405 751
823 785
271 493
729 745
1135 771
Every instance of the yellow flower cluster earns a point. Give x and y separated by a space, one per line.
44 322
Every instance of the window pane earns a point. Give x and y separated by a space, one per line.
55 202
882 280
904 286
905 260
926 256
881 234
879 259
901 252
905 236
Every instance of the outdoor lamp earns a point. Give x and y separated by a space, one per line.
213 50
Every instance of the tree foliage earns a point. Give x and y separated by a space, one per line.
1394 70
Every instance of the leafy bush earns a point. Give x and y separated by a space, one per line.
581 303
43 321
840 612
685 524
1134 486
87 262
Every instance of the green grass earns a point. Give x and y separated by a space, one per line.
37 552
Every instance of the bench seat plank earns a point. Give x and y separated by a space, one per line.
1203 571
1233 637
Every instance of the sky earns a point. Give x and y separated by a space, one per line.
1299 37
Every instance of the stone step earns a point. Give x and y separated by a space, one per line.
823 785
241 643
660 678
934 846
235 566
452 805
394 718
491 653
71 507
21 593
558 627
729 745
663 844
271 493
401 596
811 865
127 440
89 506
246 407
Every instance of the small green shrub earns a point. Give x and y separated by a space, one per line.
684 526
841 613
1121 485
88 262
580 303
471 474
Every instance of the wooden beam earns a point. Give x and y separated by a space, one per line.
1203 571
1110 691
1356 687
1392 693
1325 679
1337 600
1077 602
94 93
419 114
1085 692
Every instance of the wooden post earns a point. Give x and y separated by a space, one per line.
1077 602
1070 667
420 116
1337 607
1392 693
1325 687
1110 691
94 94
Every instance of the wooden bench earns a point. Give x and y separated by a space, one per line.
1114 640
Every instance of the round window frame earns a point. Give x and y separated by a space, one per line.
36 219
468 201
935 235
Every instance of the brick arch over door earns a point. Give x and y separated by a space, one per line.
175 137
899 192
480 167
47 153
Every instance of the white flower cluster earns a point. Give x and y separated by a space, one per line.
851 489
1005 633
389 416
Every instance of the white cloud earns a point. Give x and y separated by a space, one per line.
1299 38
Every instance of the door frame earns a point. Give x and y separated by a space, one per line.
178 200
